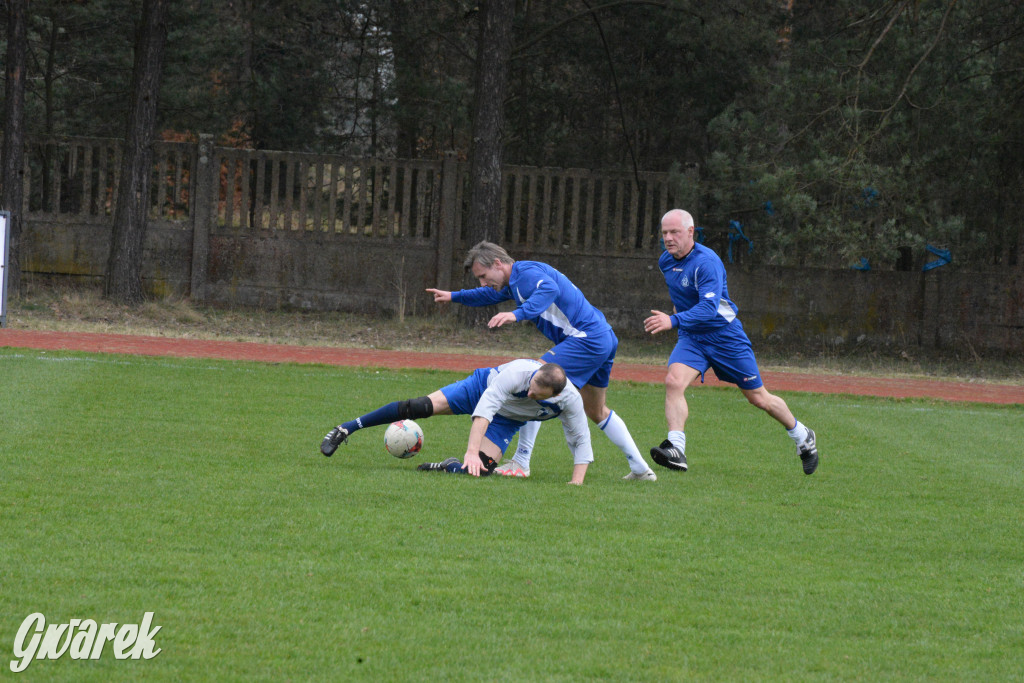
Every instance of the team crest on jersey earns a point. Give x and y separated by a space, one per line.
686 281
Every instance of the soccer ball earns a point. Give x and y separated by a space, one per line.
403 439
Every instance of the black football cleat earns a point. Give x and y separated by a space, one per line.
808 452
446 465
334 438
669 456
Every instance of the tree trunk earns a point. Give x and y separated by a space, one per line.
494 45
124 267
408 66
13 180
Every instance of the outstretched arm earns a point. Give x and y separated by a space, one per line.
472 461
440 295
479 296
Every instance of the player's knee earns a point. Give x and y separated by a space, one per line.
761 399
597 414
415 408
675 382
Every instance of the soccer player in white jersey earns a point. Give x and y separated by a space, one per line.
501 400
585 343
709 335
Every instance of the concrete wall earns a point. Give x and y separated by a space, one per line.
941 308
79 249
369 275
799 307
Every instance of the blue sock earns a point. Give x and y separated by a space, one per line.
456 467
382 416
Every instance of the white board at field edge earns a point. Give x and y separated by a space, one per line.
5 234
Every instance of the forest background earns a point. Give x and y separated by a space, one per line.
841 133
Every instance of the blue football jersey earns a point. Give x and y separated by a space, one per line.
546 298
696 284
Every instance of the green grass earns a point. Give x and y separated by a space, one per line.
194 489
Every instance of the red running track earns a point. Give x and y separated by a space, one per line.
280 353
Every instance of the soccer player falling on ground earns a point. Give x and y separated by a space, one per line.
710 335
585 344
501 400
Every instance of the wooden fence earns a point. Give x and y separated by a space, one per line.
583 211
569 210
78 178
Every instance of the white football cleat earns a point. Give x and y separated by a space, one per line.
649 475
512 469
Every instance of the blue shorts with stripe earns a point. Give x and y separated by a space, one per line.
727 351
586 360
462 397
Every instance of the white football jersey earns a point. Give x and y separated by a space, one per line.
507 386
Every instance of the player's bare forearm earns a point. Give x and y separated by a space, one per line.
578 472
658 322
472 460
440 295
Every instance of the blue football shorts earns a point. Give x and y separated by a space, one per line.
727 351
462 397
586 360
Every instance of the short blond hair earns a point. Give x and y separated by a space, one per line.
486 253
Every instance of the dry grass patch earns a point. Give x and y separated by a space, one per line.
84 309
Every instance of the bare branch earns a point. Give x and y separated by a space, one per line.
906 82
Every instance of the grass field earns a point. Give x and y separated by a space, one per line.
195 490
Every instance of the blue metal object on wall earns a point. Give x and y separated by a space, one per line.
944 258
736 235
870 196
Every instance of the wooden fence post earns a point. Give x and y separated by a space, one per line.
447 229
204 212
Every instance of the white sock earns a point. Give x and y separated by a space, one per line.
617 432
527 438
678 439
798 433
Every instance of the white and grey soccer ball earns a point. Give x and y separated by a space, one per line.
403 439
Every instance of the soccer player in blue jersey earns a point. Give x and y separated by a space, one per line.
709 335
501 400
585 344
